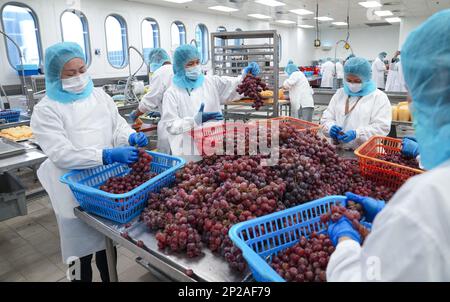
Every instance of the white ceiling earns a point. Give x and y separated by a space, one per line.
336 9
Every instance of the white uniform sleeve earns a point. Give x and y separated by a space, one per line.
48 127
122 130
380 120
380 66
345 263
171 118
291 81
151 102
329 116
226 87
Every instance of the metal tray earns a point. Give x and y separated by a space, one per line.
10 148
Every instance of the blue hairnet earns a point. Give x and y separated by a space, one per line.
382 55
290 61
291 68
157 57
183 54
328 59
56 56
361 68
426 66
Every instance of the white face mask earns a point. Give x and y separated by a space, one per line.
76 84
193 73
355 87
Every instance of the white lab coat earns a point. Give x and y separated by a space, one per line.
327 71
410 238
152 101
300 92
180 107
73 136
378 70
371 116
392 77
339 70
401 79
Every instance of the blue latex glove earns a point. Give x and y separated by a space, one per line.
138 138
334 131
124 155
348 137
132 117
154 114
252 68
203 117
410 147
343 228
371 206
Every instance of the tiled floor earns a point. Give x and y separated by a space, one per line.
30 249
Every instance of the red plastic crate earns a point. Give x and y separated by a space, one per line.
386 173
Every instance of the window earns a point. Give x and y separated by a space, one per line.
116 41
221 42
21 24
150 36
202 38
280 48
74 28
238 42
177 34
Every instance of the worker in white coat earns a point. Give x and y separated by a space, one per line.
393 81
339 70
410 238
327 71
78 127
151 103
300 93
194 99
359 110
379 70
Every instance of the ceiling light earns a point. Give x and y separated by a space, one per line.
370 4
301 12
383 13
305 26
225 9
324 18
178 1
271 3
259 16
285 21
339 23
394 20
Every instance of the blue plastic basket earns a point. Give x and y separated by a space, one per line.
281 230
10 115
120 207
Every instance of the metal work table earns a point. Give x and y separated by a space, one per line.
209 267
31 157
322 96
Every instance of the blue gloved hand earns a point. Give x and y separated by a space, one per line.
410 147
124 155
154 114
348 137
334 131
138 138
252 68
132 117
203 117
371 206
343 228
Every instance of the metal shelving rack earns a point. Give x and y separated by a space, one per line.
229 60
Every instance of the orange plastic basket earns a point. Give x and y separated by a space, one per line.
209 138
389 174
294 123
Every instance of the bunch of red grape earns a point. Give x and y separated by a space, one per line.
306 261
252 87
337 212
140 173
400 159
210 196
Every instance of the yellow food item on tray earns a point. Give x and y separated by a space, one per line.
395 113
267 94
281 94
403 113
17 133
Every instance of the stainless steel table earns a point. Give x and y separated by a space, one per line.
31 157
209 267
